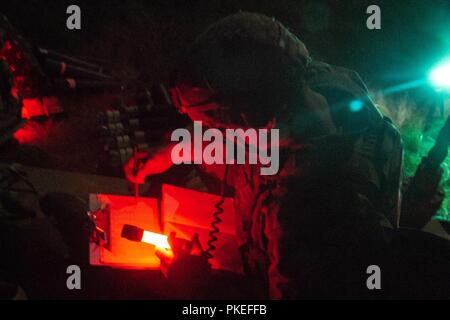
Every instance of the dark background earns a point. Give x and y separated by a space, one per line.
149 35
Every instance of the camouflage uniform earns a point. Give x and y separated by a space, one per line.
333 193
332 199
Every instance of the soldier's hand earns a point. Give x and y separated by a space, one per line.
145 164
133 169
184 261
420 205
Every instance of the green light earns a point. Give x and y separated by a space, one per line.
356 105
440 76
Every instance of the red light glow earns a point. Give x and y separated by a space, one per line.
156 239
26 135
31 107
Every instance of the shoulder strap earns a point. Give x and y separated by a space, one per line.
377 153
341 86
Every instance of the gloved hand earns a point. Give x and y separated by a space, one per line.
133 168
185 266
144 164
422 198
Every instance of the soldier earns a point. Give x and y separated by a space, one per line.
306 231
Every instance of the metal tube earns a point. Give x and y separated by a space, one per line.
62 68
59 56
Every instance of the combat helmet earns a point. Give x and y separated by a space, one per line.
246 63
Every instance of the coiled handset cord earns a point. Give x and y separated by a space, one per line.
216 217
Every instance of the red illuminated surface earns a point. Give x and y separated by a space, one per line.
40 107
27 82
188 212
32 107
185 212
31 133
122 253
35 133
158 240
20 67
26 135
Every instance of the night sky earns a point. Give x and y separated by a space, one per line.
150 35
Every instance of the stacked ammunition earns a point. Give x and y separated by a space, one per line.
127 128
